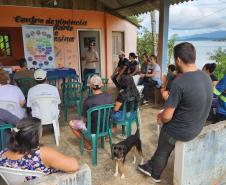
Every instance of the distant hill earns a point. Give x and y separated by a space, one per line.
217 35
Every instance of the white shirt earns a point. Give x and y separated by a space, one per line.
91 56
41 90
14 94
157 77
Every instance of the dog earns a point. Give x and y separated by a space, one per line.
121 149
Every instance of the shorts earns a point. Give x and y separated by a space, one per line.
78 125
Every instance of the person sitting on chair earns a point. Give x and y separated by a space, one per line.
154 78
11 93
128 91
23 72
98 98
25 152
42 89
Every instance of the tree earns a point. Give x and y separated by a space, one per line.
154 35
219 56
144 43
171 44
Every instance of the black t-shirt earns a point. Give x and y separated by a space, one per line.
132 66
213 77
93 101
123 63
122 98
191 96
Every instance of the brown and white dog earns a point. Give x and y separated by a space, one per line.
121 149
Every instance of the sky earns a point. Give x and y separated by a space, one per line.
194 17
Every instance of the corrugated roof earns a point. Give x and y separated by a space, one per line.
126 8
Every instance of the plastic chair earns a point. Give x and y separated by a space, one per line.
9 106
52 80
72 96
3 128
105 83
47 107
104 113
25 84
129 117
81 177
14 176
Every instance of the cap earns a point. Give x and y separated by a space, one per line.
40 74
95 80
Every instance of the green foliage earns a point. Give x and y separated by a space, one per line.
144 43
134 19
171 44
219 56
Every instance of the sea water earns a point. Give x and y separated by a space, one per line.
203 50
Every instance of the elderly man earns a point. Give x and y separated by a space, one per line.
98 98
40 90
186 109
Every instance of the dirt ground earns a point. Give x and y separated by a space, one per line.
102 174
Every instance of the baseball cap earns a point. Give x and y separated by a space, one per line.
95 80
40 74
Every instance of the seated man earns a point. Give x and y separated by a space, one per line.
98 98
8 118
40 90
24 72
220 92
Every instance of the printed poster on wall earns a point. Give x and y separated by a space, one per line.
39 46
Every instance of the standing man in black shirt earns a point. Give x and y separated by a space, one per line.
121 69
186 109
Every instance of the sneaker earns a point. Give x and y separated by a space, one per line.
145 102
145 168
156 179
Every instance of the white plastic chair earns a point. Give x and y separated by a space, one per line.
14 176
9 106
48 112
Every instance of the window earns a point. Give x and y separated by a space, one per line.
5 47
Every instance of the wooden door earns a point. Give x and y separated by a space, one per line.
117 46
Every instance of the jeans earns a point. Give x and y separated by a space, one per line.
219 117
148 85
114 80
159 160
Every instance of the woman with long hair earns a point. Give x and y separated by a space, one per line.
133 68
129 90
25 152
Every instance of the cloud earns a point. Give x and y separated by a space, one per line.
193 17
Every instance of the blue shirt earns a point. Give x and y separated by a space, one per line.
220 92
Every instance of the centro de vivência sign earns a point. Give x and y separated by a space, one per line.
58 25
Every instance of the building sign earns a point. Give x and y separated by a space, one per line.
38 46
58 25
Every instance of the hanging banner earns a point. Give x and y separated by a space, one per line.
39 46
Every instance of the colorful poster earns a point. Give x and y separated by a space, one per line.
39 46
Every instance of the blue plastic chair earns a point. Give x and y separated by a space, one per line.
104 113
128 118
